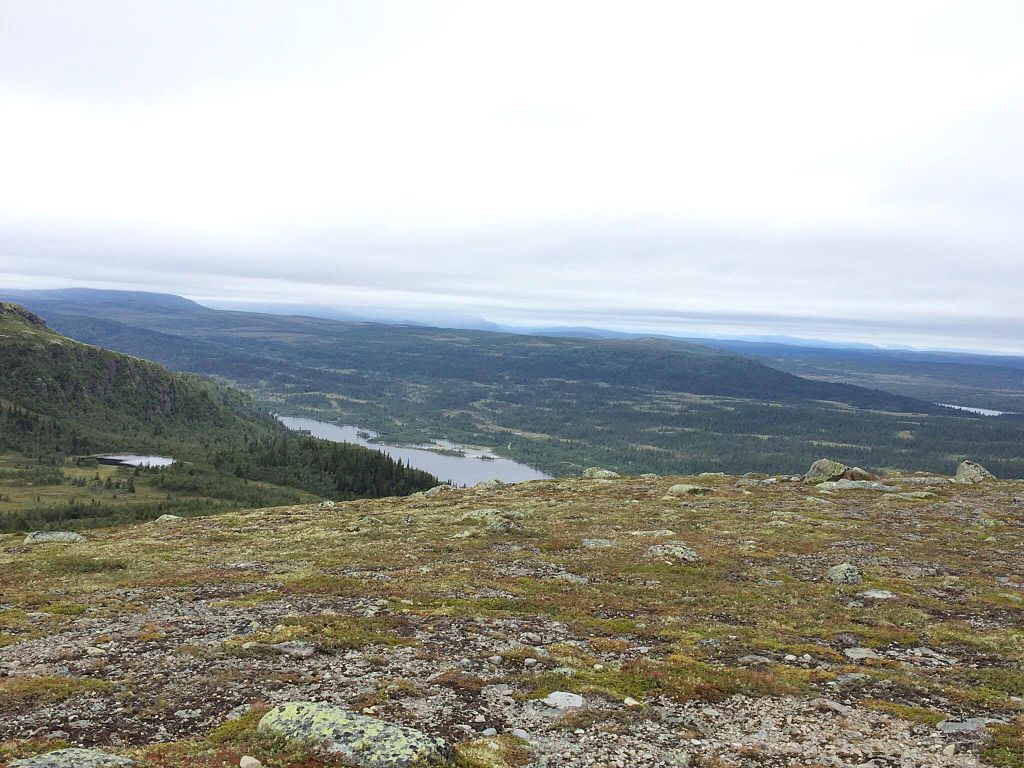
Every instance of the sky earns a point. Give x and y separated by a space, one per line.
846 171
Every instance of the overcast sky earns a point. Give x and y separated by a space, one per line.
822 169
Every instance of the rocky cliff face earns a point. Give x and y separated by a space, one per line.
549 623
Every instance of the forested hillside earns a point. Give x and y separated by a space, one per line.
61 401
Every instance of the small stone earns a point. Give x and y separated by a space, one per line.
249 762
519 733
489 732
629 701
495 660
529 661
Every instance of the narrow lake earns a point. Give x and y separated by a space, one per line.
136 460
474 467
982 411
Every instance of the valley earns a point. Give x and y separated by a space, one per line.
635 405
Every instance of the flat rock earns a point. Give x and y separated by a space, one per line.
859 654
363 741
168 519
968 725
563 700
597 543
54 537
295 649
855 485
73 758
877 594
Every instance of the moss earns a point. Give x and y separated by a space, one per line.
905 711
1006 749
19 694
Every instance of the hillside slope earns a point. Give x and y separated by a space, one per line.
114 401
707 625
61 400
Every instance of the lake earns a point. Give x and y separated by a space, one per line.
135 460
474 467
982 411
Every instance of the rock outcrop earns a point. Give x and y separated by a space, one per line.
363 741
74 758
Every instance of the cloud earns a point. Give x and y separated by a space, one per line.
667 166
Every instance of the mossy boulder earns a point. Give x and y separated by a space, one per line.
364 741
74 758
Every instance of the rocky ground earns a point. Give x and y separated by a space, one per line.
600 621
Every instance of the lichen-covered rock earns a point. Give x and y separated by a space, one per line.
597 543
597 473
674 550
845 573
54 537
364 741
685 489
74 758
856 473
972 472
825 469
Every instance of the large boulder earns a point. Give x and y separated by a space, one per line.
825 469
970 472
74 758
54 537
365 742
596 473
